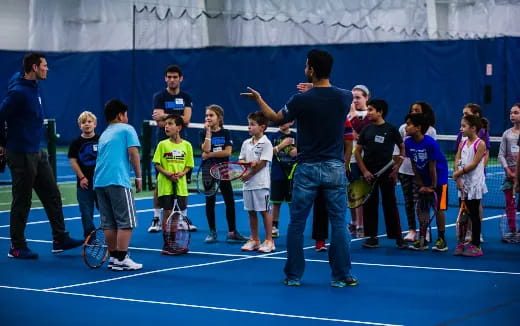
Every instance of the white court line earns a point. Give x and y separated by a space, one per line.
184 305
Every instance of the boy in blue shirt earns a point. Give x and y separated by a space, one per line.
118 149
431 171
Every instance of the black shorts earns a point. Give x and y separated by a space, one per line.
166 202
281 191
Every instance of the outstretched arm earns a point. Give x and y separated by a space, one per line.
264 107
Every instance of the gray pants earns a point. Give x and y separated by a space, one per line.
32 170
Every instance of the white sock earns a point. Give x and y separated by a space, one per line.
156 212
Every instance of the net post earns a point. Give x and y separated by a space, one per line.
52 137
146 148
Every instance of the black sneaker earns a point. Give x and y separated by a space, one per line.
371 242
401 244
21 253
65 244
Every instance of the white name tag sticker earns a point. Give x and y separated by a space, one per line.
217 149
515 149
379 139
179 101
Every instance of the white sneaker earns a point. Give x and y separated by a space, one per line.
126 264
193 228
251 245
111 262
275 232
156 225
267 246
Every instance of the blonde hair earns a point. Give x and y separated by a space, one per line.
85 115
219 111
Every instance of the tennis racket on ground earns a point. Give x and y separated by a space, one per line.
176 230
426 209
229 170
358 191
95 250
206 184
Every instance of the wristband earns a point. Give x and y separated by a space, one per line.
207 138
138 178
83 177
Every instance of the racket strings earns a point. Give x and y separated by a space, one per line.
225 171
95 250
177 234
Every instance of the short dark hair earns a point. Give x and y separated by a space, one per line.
172 69
418 119
259 118
321 61
379 105
177 119
113 108
30 59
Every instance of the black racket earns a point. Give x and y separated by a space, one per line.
426 209
358 191
206 184
95 250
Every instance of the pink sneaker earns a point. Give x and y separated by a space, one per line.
320 246
459 249
472 251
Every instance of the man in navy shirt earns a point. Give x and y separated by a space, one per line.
22 111
320 159
170 100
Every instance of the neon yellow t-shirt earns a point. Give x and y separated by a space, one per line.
173 158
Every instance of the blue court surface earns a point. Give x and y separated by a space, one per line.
220 285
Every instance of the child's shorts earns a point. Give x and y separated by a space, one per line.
256 200
166 202
281 191
116 207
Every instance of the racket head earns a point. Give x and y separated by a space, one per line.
95 250
206 184
176 234
358 192
228 171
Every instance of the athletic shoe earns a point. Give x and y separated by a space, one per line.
360 232
416 245
371 242
320 246
267 246
211 237
275 233
155 226
292 282
411 236
472 251
126 264
65 244
193 228
459 249
481 238
235 237
111 262
510 237
401 244
440 245
251 245
348 281
21 253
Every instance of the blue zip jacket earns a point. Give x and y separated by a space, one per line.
22 112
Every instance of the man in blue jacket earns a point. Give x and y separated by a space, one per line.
22 112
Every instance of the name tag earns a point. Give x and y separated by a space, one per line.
94 147
217 149
515 149
379 139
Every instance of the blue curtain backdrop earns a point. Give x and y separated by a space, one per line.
447 74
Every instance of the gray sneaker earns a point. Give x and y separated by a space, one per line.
211 237
236 237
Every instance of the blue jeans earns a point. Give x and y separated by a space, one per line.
86 201
329 178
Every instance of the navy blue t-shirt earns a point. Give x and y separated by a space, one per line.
282 162
423 152
85 151
320 114
171 104
219 140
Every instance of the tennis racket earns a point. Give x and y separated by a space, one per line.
426 209
229 170
95 250
358 191
206 184
176 230
461 226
